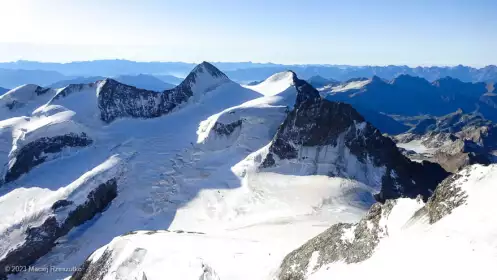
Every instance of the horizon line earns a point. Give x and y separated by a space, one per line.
255 62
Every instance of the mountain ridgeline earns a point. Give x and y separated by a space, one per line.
411 96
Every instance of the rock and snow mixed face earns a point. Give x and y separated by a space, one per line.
29 234
329 138
116 100
23 100
453 234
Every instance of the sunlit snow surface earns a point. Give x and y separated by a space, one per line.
462 245
353 85
174 173
416 146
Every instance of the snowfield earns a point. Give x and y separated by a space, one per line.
191 201
185 171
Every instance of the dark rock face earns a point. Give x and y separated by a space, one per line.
94 270
72 88
317 122
30 155
226 129
40 240
345 242
116 100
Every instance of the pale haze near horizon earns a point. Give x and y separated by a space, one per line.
290 32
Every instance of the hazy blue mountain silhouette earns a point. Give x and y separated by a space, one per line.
248 71
11 78
411 96
3 90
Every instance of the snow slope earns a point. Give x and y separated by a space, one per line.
22 100
349 86
37 203
460 245
276 84
193 169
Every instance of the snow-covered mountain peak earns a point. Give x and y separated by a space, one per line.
202 79
24 99
207 68
75 88
275 84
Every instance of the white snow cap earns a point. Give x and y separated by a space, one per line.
275 84
204 78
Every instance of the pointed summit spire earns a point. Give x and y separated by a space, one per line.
208 68
204 77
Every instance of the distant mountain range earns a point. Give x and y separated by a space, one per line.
414 96
170 79
12 78
318 81
248 71
453 141
3 90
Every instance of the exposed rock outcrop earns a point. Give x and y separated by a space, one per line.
455 140
353 243
36 152
41 239
345 242
226 129
447 197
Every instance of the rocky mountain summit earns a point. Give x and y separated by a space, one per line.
333 139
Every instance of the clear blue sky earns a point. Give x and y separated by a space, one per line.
368 32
